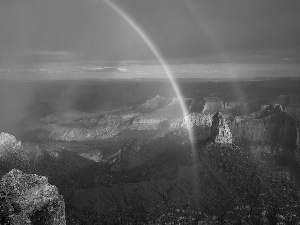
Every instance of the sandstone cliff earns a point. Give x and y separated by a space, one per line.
29 199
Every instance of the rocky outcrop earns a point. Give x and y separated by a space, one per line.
269 130
220 132
29 199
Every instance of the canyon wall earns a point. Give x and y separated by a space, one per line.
270 130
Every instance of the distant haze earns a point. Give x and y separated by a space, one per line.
44 39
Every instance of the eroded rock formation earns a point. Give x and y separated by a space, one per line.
29 199
269 130
220 132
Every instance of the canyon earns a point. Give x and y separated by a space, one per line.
131 161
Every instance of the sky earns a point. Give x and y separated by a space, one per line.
56 38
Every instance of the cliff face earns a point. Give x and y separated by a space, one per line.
202 111
29 199
270 130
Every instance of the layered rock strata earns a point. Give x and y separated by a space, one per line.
269 130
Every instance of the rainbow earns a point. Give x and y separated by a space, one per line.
134 25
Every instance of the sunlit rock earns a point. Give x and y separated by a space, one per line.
194 120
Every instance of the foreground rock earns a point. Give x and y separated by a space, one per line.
29 199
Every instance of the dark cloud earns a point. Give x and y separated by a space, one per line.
180 28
